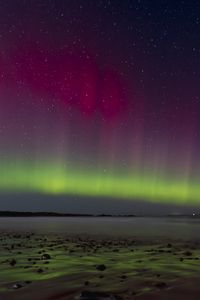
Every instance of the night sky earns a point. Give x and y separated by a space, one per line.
99 105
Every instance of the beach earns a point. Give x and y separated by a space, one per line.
49 265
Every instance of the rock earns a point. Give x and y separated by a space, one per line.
40 270
90 295
17 286
93 295
161 285
45 256
161 251
101 267
13 262
187 253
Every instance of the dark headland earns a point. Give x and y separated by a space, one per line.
8 213
54 214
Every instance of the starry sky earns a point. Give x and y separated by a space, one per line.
99 105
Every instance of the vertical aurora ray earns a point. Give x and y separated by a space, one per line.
94 155
56 180
110 114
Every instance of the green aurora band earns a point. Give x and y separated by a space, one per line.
56 180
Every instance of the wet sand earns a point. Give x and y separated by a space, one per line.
53 266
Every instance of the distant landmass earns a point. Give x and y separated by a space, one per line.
54 214
57 214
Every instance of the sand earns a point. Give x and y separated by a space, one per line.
48 267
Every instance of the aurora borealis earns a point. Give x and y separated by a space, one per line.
53 180
101 99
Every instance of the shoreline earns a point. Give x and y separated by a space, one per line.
61 266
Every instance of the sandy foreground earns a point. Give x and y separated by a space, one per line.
49 267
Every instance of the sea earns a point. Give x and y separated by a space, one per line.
179 228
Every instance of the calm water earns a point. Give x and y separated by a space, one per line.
186 228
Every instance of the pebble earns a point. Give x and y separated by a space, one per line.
101 267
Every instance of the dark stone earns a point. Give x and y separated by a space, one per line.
93 295
45 256
187 253
40 270
101 267
161 285
13 262
17 286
